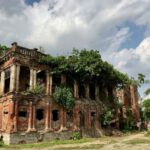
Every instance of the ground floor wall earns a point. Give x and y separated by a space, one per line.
34 137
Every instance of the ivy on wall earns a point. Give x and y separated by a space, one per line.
64 97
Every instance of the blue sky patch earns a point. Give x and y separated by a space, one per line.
136 35
30 2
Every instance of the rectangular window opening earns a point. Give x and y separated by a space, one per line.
22 114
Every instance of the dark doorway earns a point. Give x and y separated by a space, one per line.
24 78
7 85
7 80
39 114
55 114
81 90
41 80
92 91
82 119
93 119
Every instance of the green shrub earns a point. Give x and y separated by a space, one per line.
39 89
64 97
2 144
107 117
147 134
76 136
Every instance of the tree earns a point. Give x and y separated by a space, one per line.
146 106
147 92
141 78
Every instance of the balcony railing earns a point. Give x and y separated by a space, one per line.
31 53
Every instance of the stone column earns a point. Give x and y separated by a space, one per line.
16 116
51 84
47 83
96 91
76 89
30 117
76 119
34 78
63 119
33 118
17 77
47 119
86 86
12 78
2 82
31 79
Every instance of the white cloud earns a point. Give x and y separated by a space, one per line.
133 61
60 25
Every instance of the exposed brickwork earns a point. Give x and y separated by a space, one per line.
129 98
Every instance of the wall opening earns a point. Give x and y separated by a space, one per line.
24 78
5 112
56 82
82 119
70 82
92 91
81 90
69 119
7 85
93 114
39 114
22 114
7 81
55 114
41 79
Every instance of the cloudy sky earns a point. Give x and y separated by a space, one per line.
119 29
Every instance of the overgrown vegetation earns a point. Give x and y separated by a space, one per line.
64 97
3 49
146 109
76 136
107 117
38 89
87 65
128 125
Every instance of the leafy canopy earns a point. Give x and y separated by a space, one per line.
146 104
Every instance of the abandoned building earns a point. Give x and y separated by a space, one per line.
28 118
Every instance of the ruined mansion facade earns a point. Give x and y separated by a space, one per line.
27 118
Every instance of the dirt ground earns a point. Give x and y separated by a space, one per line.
136 141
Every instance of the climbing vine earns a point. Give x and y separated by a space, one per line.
64 97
